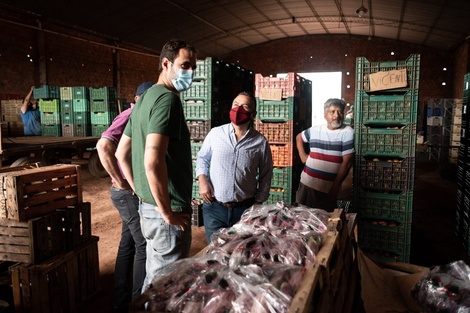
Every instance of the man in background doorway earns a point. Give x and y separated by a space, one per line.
329 159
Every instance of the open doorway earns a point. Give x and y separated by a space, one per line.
325 85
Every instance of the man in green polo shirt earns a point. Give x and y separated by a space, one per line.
155 156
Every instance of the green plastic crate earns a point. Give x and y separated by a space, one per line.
364 68
396 206
104 106
279 111
286 177
202 110
66 118
102 93
81 118
50 118
102 117
211 69
97 130
384 175
46 92
396 142
385 242
195 147
196 190
80 92
81 105
66 106
51 130
386 109
285 195
66 93
82 130
49 105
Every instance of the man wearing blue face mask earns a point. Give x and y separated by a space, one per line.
234 167
159 169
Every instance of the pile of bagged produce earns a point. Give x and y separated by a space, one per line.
444 289
255 266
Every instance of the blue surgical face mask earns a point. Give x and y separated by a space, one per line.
183 80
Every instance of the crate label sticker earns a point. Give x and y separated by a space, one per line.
270 94
388 80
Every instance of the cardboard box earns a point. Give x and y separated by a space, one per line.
386 287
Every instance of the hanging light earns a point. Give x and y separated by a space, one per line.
362 10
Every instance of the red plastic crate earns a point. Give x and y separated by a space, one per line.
285 155
290 85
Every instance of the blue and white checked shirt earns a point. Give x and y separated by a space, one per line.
236 170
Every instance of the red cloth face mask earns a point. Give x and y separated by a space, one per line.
239 116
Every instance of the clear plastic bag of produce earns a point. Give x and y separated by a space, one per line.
279 216
444 289
207 284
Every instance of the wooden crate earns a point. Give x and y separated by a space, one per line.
44 237
31 193
61 284
325 285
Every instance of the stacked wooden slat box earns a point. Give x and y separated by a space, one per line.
46 227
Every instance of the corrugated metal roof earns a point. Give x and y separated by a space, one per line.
218 27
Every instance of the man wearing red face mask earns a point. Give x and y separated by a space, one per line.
234 167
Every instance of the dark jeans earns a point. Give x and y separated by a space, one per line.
129 272
217 216
314 198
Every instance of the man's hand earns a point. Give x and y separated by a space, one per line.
205 189
183 220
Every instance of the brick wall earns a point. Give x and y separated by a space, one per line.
76 59
325 53
79 59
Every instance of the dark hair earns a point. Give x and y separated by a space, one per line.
250 96
171 50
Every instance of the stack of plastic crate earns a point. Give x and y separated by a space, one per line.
66 111
80 112
104 109
462 217
385 143
280 121
439 127
49 105
207 103
455 130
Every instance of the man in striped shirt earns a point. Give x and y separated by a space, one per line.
330 157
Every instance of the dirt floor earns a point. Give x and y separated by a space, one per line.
106 224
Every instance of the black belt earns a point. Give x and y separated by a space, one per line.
247 202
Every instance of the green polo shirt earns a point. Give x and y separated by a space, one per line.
159 111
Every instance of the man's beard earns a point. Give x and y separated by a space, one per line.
336 124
